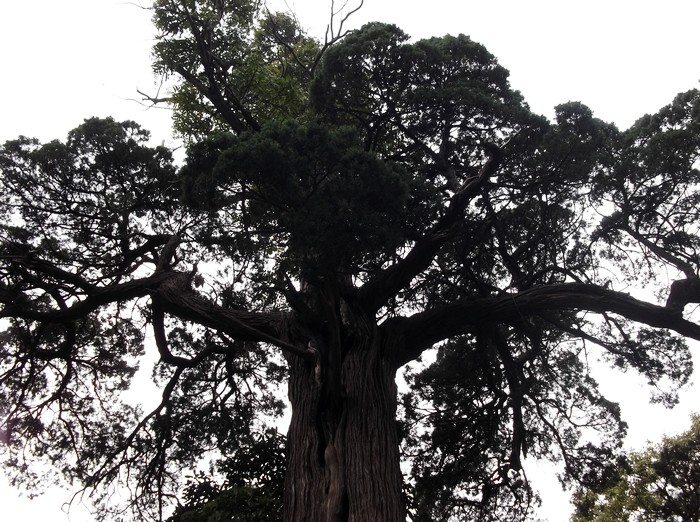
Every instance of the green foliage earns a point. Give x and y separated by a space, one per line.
482 417
252 490
404 94
301 187
650 187
238 65
660 484
88 214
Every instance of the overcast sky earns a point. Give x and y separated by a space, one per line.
63 61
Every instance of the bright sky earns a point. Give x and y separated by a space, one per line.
63 61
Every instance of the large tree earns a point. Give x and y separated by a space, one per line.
346 206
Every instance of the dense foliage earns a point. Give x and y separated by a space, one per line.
659 484
346 207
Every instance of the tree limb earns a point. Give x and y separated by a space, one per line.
24 256
176 298
424 329
387 283
215 98
98 297
155 100
221 102
662 253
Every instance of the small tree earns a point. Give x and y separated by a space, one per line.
345 206
660 484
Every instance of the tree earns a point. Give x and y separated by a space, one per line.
661 483
347 207
253 490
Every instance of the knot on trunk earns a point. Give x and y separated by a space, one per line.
682 292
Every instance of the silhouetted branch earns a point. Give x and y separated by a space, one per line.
424 329
387 283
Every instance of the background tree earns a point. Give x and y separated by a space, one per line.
660 483
394 197
253 489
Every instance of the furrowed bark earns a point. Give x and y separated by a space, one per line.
344 465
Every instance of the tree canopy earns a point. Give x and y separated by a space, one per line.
661 483
346 207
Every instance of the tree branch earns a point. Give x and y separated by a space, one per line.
215 98
424 329
24 256
212 92
176 298
387 283
682 292
335 35
98 297
663 254
179 300
155 100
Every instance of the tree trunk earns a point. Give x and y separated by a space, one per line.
344 465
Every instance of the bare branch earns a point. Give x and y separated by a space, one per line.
330 31
155 100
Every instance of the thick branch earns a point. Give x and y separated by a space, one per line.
98 297
24 256
151 242
424 329
161 338
513 377
376 292
176 298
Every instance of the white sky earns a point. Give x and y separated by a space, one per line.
63 61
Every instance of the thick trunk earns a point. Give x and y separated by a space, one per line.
343 456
